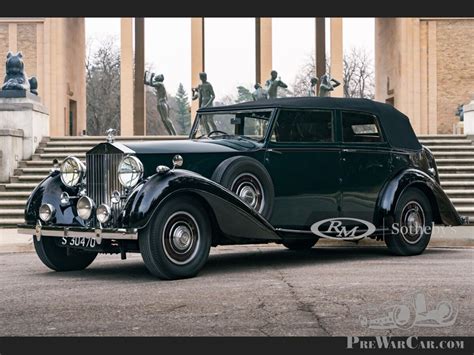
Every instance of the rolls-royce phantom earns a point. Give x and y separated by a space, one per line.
286 171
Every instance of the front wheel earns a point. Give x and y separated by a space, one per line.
414 221
57 258
177 240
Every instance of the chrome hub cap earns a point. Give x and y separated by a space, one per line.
181 238
412 222
249 189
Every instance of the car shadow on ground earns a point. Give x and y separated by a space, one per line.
260 258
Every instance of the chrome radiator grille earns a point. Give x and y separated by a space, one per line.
102 180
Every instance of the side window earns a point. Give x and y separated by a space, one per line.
360 128
303 127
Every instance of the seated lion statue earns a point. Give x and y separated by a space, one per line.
15 77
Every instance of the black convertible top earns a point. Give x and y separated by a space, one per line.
395 124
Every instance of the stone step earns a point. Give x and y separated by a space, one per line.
456 176
442 136
443 148
11 222
462 183
454 161
459 201
18 186
14 194
437 142
465 209
12 204
455 168
11 212
71 144
459 193
60 156
32 171
452 155
69 150
27 178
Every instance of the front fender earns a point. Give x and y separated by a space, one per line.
49 191
444 211
234 217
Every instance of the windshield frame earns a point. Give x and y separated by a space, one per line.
272 110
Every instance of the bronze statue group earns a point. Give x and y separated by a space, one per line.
205 93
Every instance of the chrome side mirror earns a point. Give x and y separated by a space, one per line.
177 161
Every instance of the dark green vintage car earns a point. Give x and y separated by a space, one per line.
283 171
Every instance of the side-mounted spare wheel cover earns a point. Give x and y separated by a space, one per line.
249 180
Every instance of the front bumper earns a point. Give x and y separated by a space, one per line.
98 234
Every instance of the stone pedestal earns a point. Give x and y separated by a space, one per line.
29 115
24 121
11 151
469 118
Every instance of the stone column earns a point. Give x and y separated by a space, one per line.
126 77
139 116
263 49
469 118
197 57
320 47
337 63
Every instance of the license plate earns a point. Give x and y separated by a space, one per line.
79 242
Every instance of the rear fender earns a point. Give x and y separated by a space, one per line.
443 209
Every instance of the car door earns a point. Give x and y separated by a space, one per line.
303 159
365 162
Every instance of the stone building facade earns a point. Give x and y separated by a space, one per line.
53 51
425 67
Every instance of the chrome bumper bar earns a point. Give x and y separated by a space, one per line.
98 234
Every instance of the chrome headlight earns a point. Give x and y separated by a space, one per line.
84 207
103 213
130 171
72 171
46 212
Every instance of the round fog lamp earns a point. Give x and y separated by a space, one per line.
103 213
46 212
84 207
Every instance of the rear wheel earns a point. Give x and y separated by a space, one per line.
177 241
414 217
303 244
58 259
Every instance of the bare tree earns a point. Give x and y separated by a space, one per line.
358 74
103 86
358 77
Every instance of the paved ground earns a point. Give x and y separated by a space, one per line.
244 290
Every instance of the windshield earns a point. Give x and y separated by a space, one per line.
251 125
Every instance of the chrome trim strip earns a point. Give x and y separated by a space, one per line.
120 234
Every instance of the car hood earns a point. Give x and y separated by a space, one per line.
179 146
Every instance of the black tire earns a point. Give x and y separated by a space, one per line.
239 173
169 257
56 258
412 206
303 244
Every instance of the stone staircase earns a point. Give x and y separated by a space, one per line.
454 156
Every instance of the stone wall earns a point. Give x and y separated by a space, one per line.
3 49
27 44
455 69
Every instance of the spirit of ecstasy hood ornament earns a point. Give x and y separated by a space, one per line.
111 133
